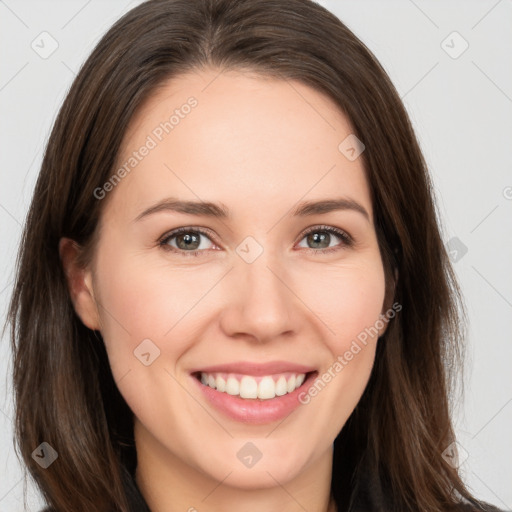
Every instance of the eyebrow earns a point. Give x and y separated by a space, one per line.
307 208
220 211
200 208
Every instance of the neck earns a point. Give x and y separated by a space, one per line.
168 483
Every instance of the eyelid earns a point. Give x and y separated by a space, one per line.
162 241
347 239
329 229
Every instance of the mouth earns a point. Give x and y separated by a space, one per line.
254 399
254 387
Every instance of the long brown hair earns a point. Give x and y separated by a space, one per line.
65 394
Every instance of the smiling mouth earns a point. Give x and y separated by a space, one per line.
250 387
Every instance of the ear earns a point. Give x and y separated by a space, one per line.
79 281
388 303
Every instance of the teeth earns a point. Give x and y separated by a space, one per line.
249 387
266 388
281 387
232 386
291 383
221 384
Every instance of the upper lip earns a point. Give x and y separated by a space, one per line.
256 369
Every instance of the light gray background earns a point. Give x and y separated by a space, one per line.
461 109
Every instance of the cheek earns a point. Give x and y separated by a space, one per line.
349 303
145 311
348 299
145 300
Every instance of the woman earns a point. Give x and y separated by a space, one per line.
302 358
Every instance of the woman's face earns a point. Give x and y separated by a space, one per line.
233 293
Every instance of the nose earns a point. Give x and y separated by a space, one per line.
260 303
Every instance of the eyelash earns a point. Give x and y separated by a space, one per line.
347 240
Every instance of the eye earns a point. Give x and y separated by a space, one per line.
186 241
320 238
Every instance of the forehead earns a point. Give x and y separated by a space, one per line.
239 138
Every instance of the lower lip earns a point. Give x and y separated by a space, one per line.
256 411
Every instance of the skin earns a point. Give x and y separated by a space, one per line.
259 146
